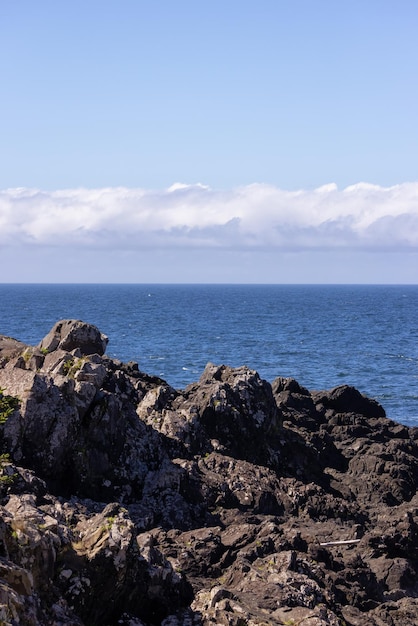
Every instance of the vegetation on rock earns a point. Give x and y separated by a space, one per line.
125 502
8 404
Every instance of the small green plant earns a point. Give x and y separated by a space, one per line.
8 404
27 354
71 367
5 479
44 351
66 368
109 523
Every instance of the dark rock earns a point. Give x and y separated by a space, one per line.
126 502
111 562
70 335
73 432
346 399
232 410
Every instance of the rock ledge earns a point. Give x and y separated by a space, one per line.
232 502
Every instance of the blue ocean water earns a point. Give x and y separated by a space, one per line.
323 336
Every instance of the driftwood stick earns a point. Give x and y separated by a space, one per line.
346 542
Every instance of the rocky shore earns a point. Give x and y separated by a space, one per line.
237 502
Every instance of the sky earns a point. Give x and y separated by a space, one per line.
227 141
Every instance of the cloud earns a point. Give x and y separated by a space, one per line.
257 216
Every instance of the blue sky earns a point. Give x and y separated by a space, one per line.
186 141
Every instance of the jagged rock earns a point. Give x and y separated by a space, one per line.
346 399
74 334
110 570
76 431
235 407
295 403
126 502
10 348
228 410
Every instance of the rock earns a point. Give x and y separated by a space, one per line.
75 430
10 348
126 502
296 403
110 562
74 334
346 399
232 410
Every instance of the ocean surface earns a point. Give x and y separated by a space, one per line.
324 336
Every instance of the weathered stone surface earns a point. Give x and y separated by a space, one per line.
111 569
228 410
126 502
9 348
76 428
346 399
71 334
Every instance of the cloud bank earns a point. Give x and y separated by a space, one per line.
256 216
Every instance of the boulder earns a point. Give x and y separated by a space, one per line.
346 399
10 348
75 427
229 409
70 335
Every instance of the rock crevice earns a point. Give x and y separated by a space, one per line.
234 501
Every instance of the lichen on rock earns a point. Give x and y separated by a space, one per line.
235 501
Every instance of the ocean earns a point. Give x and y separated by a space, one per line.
321 335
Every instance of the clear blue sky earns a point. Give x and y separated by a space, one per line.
291 94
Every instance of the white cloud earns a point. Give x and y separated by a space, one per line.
255 216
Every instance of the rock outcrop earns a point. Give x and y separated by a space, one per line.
234 501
